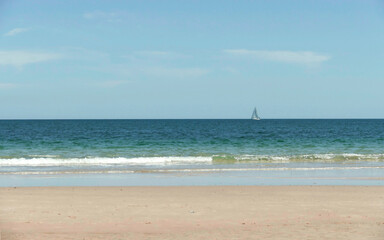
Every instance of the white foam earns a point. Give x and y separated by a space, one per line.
44 156
52 160
102 161
265 169
316 157
201 170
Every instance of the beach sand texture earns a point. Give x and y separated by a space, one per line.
214 212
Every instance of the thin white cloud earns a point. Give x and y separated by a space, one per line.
301 57
113 83
20 58
156 53
137 64
7 85
175 72
108 16
16 31
128 70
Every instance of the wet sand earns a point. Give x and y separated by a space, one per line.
214 212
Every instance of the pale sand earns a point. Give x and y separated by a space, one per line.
235 212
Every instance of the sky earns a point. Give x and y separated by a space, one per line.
191 59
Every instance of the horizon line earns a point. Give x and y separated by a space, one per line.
12 119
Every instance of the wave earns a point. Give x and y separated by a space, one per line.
102 161
300 158
195 170
52 160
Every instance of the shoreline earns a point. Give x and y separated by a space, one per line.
192 212
359 177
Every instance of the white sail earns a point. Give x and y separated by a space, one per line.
254 115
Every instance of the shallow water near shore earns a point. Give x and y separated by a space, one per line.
363 176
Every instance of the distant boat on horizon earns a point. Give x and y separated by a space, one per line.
254 115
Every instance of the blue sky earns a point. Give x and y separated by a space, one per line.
191 59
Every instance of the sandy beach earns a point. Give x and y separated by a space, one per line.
217 212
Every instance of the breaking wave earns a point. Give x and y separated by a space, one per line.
50 160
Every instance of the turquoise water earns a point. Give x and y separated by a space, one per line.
185 146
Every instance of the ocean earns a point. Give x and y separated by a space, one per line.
281 148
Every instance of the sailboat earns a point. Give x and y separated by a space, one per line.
254 115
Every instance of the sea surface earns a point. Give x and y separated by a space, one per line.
281 148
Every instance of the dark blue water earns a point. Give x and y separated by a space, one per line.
128 144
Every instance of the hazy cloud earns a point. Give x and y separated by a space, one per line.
128 70
301 57
139 64
16 31
108 16
155 55
175 72
20 58
113 83
7 85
